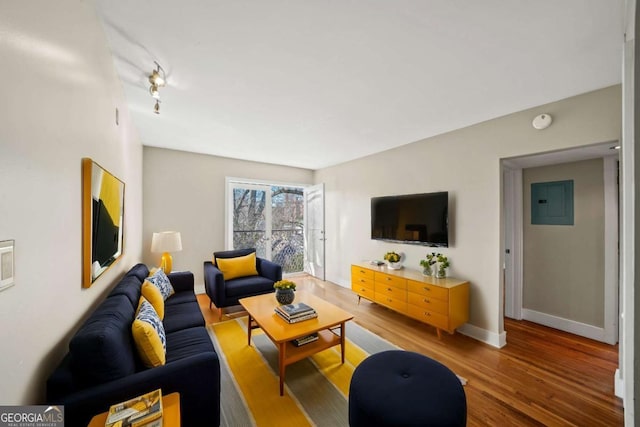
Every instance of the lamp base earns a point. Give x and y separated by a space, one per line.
166 262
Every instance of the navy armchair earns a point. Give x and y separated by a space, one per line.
226 293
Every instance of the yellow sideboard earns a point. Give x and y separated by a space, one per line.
443 303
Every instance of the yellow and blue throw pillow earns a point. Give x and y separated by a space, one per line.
149 335
162 282
152 294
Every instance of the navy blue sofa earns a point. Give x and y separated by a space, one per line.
227 293
102 366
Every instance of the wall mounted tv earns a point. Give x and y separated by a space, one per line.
420 219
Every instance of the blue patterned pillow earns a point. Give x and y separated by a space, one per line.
149 336
162 282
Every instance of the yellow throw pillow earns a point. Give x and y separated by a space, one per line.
238 267
154 296
148 335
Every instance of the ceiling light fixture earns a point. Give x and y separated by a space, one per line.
157 76
155 93
157 79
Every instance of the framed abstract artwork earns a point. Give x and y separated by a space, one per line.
102 220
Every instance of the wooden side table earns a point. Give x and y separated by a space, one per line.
170 412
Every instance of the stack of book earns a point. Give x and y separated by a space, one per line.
294 313
145 410
305 340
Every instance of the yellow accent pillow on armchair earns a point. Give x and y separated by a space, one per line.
237 267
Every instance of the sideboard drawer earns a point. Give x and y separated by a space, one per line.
428 290
363 291
361 272
362 282
428 303
387 279
431 317
391 292
384 299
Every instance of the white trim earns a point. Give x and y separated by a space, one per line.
611 262
513 217
484 335
618 384
252 181
627 231
567 325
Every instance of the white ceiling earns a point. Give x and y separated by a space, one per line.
316 83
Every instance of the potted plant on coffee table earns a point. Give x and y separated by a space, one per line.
284 291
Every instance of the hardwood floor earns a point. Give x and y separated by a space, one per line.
541 377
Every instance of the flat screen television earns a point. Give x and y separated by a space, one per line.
420 219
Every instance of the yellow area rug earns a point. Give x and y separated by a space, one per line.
316 388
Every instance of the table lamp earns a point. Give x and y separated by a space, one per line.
165 242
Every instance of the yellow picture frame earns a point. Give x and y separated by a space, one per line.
102 221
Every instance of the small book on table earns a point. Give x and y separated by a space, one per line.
145 410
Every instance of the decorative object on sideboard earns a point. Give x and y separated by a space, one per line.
165 242
285 291
394 260
102 220
158 79
427 264
443 264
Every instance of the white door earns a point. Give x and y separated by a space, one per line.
314 231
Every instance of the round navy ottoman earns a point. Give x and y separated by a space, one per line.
402 388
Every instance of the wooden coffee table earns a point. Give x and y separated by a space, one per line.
330 319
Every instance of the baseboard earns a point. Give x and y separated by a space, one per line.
345 283
483 335
567 325
618 384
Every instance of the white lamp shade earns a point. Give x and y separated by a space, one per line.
166 241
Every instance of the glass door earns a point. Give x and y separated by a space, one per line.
269 218
250 225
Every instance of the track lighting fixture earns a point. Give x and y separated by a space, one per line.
155 93
158 79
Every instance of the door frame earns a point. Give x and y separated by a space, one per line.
514 239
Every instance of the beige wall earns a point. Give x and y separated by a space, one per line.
466 163
186 192
564 264
59 95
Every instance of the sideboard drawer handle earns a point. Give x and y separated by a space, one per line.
389 300
362 280
390 290
388 278
426 313
427 289
426 300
